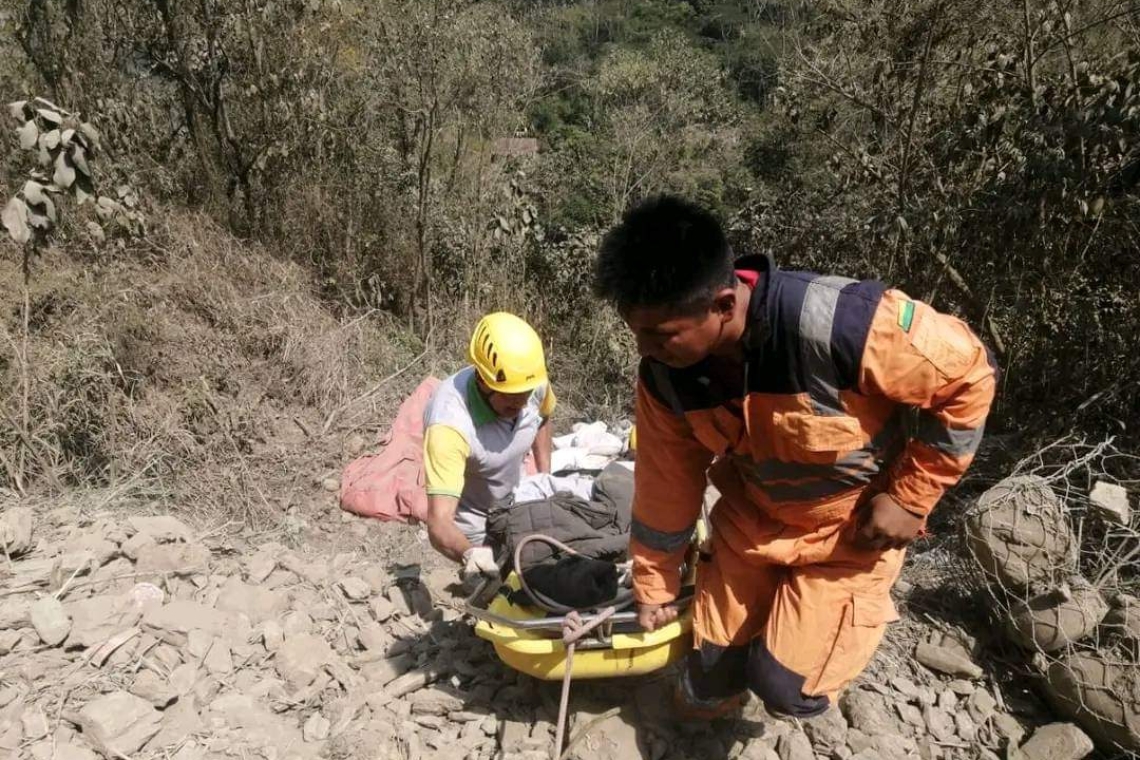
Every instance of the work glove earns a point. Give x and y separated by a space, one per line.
479 562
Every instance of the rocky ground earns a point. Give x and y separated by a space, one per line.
134 637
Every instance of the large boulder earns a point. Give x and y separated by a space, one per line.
1019 534
1101 695
1052 621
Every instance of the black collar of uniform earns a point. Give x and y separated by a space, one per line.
757 329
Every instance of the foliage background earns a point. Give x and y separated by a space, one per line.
329 198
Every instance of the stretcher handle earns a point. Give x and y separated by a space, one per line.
552 623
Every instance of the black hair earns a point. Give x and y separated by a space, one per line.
665 252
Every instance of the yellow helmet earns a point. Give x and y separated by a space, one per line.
507 353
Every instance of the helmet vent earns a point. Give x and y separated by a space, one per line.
500 377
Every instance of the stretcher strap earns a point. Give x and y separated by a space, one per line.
622 600
573 629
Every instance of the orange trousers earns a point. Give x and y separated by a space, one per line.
793 612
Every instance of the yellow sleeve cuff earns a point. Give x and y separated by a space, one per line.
445 460
549 401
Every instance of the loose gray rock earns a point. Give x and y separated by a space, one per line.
153 688
1110 502
8 641
136 543
173 559
162 528
382 609
981 705
939 723
272 635
948 661
50 620
257 603
301 658
827 731
794 745
1057 741
118 723
356 589
16 531
34 722
316 728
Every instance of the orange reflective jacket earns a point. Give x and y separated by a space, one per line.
845 385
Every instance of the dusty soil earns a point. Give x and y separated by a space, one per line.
133 636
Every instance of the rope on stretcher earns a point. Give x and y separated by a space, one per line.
573 628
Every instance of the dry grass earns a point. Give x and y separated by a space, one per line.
200 366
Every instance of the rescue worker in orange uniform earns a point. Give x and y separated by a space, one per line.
831 414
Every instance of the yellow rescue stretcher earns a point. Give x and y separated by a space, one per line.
529 639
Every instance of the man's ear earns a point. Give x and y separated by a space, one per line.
724 304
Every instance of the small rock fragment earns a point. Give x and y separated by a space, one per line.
981 705
910 714
1007 727
34 722
946 661
382 609
297 623
302 658
153 688
162 528
272 635
118 724
794 745
316 728
8 641
1110 502
966 729
136 543
16 531
374 638
828 731
50 620
1057 741
183 678
219 661
356 589
173 559
939 723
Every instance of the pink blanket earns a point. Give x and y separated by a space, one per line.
389 485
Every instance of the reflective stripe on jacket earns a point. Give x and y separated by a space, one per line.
845 384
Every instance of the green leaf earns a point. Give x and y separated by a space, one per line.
16 108
50 140
51 117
